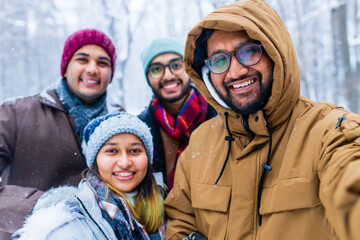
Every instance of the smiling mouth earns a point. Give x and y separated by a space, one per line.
90 80
172 84
168 86
243 84
124 174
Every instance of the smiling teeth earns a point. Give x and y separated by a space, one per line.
244 84
91 81
171 85
123 174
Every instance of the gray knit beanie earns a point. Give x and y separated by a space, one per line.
100 129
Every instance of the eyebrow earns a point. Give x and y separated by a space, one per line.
88 55
238 46
172 60
105 58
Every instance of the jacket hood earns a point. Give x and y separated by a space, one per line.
263 24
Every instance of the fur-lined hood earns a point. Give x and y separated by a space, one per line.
74 210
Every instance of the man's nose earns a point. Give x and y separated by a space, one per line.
167 73
92 67
236 69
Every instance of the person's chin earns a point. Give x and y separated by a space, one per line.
90 96
172 98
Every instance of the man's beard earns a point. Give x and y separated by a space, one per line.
173 99
257 104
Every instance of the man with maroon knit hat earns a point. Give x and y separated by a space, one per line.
40 135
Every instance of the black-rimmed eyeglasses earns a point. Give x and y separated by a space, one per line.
157 70
248 55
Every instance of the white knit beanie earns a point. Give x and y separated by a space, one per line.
100 129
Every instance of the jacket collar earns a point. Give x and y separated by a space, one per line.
87 201
50 98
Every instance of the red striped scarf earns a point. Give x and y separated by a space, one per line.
192 112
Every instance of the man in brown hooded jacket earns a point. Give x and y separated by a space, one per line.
273 164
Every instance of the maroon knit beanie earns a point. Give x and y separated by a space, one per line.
84 37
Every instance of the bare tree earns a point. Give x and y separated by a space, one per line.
341 53
124 45
303 58
326 35
356 55
200 10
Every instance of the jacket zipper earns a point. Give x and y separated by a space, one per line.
245 124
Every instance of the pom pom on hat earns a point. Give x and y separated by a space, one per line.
160 46
84 37
101 129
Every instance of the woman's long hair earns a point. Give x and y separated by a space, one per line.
149 204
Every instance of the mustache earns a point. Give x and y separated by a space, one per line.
90 75
252 75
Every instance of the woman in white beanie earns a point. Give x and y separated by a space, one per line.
118 197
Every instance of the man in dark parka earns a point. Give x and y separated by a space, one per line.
176 109
40 135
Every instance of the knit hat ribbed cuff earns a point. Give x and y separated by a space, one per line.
84 37
101 129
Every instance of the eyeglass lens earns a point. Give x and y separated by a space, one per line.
157 70
248 55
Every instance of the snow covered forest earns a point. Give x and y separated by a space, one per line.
326 35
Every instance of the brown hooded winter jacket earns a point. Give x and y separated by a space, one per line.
313 189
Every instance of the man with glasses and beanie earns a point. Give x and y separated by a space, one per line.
176 109
273 164
40 135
